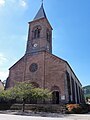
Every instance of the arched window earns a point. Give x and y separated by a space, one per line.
48 35
36 32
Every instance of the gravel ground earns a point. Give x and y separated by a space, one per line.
17 115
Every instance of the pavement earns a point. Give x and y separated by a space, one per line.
17 115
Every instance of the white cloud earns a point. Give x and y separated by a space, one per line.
14 4
3 59
2 2
3 75
23 3
3 70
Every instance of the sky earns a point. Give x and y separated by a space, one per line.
70 20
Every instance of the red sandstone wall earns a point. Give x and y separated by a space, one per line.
16 73
50 72
37 76
54 72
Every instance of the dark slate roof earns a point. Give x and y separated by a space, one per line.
41 13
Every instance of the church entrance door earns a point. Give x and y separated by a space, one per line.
55 97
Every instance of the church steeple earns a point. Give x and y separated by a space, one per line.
41 13
40 34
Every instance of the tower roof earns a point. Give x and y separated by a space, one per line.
41 13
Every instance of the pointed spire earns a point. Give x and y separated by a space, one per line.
41 13
42 1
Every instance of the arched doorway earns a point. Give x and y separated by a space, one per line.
55 94
55 97
36 85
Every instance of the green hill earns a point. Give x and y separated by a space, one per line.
86 90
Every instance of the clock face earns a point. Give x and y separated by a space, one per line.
35 45
33 67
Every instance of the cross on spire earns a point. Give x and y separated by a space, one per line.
42 1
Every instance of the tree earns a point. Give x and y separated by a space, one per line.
41 94
24 91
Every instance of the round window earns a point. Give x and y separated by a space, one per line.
33 67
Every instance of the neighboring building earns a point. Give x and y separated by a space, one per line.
4 83
1 85
42 68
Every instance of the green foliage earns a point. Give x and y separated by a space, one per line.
24 91
6 99
86 90
38 93
7 94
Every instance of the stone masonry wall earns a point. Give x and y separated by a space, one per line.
55 73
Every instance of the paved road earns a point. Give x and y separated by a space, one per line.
62 117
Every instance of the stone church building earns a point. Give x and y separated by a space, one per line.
42 68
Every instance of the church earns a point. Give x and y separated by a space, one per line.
42 68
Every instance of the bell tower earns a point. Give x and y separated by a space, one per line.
39 34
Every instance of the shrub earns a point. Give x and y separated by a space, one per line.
77 108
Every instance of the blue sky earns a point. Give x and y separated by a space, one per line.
70 20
